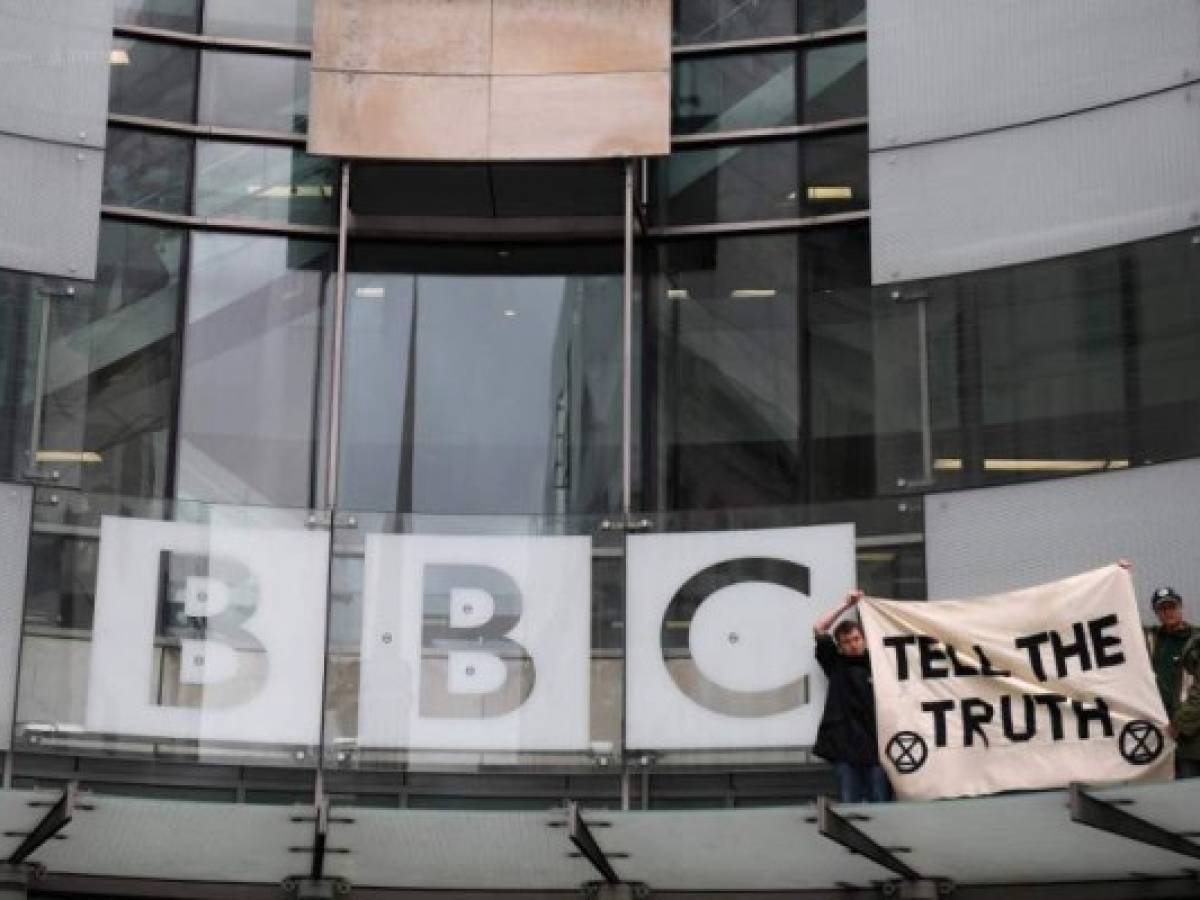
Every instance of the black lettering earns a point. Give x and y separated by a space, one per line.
439 640
932 653
1006 718
939 708
1053 702
186 586
988 670
1100 714
900 643
975 714
1101 641
1078 647
1032 644
961 669
689 677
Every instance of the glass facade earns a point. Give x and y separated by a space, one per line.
475 386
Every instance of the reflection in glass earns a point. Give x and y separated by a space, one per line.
109 392
285 21
712 21
777 180
246 420
792 87
153 79
174 15
249 181
490 384
147 170
256 91
737 326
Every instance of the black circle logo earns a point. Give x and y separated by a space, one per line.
1141 742
908 751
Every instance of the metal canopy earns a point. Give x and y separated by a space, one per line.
967 845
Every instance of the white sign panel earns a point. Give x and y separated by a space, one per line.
719 635
208 632
1031 689
475 643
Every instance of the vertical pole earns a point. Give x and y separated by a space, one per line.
627 349
339 339
925 412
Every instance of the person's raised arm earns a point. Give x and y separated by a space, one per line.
823 624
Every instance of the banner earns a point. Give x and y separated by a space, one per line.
475 643
719 635
1030 689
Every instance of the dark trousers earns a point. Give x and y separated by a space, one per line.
1187 768
862 784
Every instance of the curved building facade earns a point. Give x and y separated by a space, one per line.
396 488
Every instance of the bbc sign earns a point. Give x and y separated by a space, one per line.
467 643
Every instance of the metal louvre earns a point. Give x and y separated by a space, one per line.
999 539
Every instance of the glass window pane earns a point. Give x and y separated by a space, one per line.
482 381
725 398
153 79
713 21
174 15
250 90
777 180
248 181
147 170
247 429
791 87
285 21
110 367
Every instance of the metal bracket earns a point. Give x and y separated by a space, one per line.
316 888
581 836
320 848
629 523
54 821
1107 816
841 831
625 890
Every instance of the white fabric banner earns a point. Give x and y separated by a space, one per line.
1031 689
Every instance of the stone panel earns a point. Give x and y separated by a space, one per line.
430 37
579 116
558 37
399 116
491 79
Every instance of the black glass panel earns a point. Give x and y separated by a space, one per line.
174 15
736 324
146 170
790 87
256 91
153 79
776 180
285 21
250 181
482 379
713 21
247 431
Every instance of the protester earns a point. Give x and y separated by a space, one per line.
846 736
1166 642
1185 723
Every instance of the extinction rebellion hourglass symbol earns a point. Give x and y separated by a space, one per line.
1141 742
908 751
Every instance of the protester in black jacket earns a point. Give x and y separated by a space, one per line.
847 734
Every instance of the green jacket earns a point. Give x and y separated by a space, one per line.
1187 717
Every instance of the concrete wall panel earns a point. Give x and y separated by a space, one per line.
576 116
559 37
559 79
399 116
431 37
